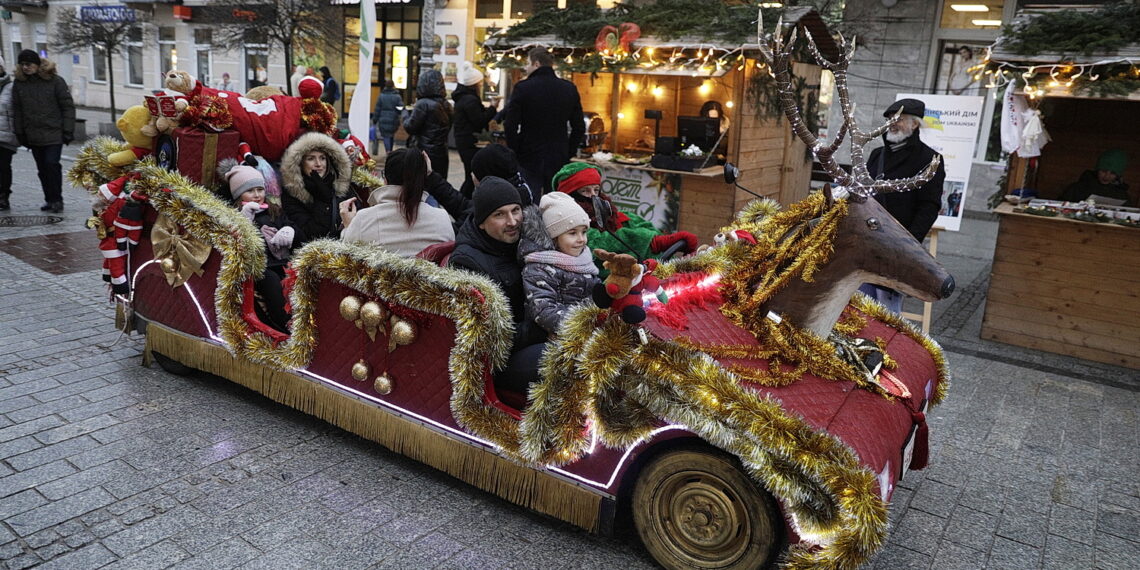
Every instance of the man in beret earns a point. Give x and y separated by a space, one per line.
903 155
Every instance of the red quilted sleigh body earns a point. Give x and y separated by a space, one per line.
829 438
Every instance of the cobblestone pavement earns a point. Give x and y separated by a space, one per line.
106 463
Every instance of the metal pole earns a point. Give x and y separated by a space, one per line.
427 33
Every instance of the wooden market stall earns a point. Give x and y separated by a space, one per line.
1058 284
677 78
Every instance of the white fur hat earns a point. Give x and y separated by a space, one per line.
468 74
560 214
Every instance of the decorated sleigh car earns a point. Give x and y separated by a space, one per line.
755 418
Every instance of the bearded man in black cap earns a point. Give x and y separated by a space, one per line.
903 155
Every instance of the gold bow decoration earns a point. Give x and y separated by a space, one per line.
179 254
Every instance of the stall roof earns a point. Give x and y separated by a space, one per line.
1001 53
804 15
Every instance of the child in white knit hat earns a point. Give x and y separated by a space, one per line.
247 187
559 271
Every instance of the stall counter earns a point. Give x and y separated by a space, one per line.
699 202
1066 287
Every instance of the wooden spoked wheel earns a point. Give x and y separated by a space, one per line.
697 509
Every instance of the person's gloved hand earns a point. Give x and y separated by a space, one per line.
268 232
67 138
251 209
664 242
283 237
23 140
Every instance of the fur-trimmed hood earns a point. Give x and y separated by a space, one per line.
533 236
339 164
46 72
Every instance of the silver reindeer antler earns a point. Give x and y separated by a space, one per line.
859 180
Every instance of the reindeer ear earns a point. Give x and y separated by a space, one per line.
827 194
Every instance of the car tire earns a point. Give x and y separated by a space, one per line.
695 508
170 365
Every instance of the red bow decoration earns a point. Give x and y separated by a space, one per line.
617 40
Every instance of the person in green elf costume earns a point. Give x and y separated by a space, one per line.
610 228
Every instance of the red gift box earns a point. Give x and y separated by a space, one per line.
198 152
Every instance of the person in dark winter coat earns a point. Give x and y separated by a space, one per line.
541 110
903 155
43 119
1106 180
247 187
471 118
559 271
491 160
430 120
386 115
8 143
315 172
331 92
487 243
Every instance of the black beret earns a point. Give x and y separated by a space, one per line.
908 106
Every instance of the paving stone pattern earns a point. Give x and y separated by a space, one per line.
105 463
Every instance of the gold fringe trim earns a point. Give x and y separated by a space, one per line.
475 465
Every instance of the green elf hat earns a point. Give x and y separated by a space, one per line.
574 176
1113 160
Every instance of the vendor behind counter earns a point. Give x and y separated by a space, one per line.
1105 183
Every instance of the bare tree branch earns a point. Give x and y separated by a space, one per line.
73 33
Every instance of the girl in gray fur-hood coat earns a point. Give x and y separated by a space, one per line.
553 281
312 201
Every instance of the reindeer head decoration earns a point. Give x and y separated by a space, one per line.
867 245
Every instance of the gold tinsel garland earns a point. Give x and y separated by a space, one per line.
625 387
598 374
91 167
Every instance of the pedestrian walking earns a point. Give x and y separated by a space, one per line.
8 143
540 113
226 84
430 120
471 118
386 115
331 94
43 119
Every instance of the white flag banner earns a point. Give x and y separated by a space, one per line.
359 110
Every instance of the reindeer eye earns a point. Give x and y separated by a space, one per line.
873 223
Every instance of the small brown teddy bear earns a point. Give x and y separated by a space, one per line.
622 289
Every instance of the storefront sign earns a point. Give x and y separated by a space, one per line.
950 127
93 14
654 196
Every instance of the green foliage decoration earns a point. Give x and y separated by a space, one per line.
1107 29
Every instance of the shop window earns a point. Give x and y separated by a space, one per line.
959 73
525 8
488 8
202 40
98 63
167 52
134 54
256 59
972 14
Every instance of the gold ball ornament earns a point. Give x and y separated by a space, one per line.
372 314
382 385
402 333
168 265
350 308
360 371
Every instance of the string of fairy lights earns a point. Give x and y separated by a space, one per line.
700 59
1038 80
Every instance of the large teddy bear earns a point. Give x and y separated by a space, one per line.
268 125
132 125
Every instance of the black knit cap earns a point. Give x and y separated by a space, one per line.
908 106
28 56
494 160
491 194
